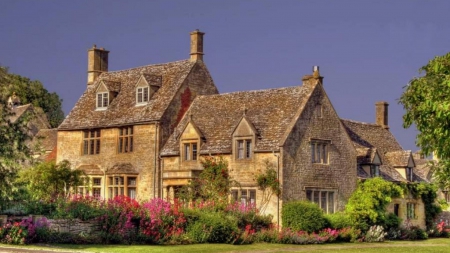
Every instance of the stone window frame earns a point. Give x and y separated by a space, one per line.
102 100
91 144
246 148
125 140
190 150
318 148
122 185
90 186
142 95
329 204
245 196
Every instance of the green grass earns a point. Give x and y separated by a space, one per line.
433 246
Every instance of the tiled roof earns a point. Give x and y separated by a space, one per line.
122 109
122 168
46 138
365 155
367 135
390 174
398 158
216 116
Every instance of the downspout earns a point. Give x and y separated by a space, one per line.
156 152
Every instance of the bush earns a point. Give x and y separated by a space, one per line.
338 220
375 234
213 228
414 233
303 216
392 221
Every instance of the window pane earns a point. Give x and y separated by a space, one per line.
318 155
248 149
145 99
309 195
234 195
323 201
313 152
252 196
132 193
187 152
240 149
97 148
316 197
325 153
194 151
131 143
330 202
99 100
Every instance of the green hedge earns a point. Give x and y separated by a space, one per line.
303 215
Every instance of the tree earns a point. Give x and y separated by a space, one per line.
49 180
426 100
213 183
31 92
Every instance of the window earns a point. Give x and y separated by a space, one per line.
409 174
142 95
244 149
102 100
91 142
319 152
244 196
96 187
410 210
374 170
396 209
190 151
122 186
125 139
323 198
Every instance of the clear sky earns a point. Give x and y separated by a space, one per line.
367 50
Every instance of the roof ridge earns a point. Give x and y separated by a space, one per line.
360 122
149 65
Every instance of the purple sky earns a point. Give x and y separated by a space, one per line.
367 50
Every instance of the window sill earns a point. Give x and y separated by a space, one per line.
141 104
101 108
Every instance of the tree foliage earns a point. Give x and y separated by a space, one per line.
269 184
49 180
13 151
31 92
213 183
367 205
426 100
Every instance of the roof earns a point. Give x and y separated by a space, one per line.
46 138
122 109
369 138
270 111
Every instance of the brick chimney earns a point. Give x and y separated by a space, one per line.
315 78
382 114
97 63
197 45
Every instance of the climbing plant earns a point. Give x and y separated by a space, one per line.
268 183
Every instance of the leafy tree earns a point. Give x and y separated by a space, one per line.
31 92
367 205
49 180
213 183
426 100
13 151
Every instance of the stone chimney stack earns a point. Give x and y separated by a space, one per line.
382 114
197 45
97 63
315 78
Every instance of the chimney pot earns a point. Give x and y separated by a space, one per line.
381 108
197 45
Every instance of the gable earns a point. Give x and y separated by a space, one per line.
190 132
376 159
102 88
142 82
244 128
411 163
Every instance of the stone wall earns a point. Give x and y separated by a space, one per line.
74 227
318 121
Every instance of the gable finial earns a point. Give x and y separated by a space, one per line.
244 110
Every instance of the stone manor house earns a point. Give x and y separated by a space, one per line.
142 132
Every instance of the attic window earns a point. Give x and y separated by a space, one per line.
409 174
142 95
374 170
102 100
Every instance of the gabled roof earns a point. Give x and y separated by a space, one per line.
398 158
122 109
270 111
46 139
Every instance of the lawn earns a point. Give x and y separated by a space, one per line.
431 245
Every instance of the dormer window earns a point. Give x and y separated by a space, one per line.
409 174
190 151
142 95
374 170
244 149
102 100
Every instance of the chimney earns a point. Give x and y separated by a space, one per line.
382 114
197 45
97 63
315 78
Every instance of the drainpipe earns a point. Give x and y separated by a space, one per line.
156 152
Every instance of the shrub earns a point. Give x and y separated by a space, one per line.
375 234
338 220
392 221
303 216
214 228
348 234
414 233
